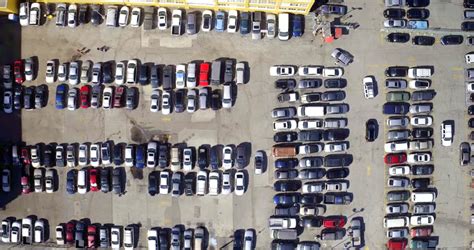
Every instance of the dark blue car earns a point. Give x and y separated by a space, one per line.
71 182
286 198
140 156
61 92
396 108
286 163
298 22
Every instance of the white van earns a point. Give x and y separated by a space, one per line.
396 222
311 111
423 197
283 26
420 72
82 181
227 96
111 17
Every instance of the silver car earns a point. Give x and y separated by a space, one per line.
73 73
396 208
395 135
85 71
203 94
424 209
397 121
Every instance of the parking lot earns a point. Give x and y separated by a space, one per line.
248 120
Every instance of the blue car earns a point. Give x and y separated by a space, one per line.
286 198
244 23
71 182
298 22
140 156
396 108
61 92
220 21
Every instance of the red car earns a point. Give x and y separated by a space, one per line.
204 74
421 231
25 155
25 185
91 233
84 94
18 71
93 179
70 232
118 98
395 158
334 221
397 244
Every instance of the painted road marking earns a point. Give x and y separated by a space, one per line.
369 170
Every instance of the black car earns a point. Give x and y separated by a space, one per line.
337 83
468 4
40 96
311 199
118 154
28 97
155 76
286 96
216 100
117 180
214 159
418 3
470 123
131 98
282 210
335 134
244 23
418 133
420 182
287 186
163 236
452 40
152 183
371 130
311 221
339 198
104 180
418 13
18 97
311 97
338 160
286 163
422 169
310 83
423 40
189 184
467 26
464 153
71 187
394 13
425 95
285 137
285 84
95 96
310 135
96 14
179 99
167 83
311 162
396 71
241 156
336 95
143 74
107 72
163 155
83 17
312 173
470 110
336 173
202 158
398 37
286 174
48 156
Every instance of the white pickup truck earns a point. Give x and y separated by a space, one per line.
281 223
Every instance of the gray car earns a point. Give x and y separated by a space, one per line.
424 208
286 112
339 108
176 238
229 71
398 195
419 108
396 83
396 208
395 135
191 23
176 180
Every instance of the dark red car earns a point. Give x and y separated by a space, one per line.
395 158
118 98
421 231
334 221
70 232
25 155
397 244
94 186
91 234
25 185
84 95
204 74
18 71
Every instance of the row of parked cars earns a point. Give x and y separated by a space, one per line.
255 23
400 214
28 98
28 230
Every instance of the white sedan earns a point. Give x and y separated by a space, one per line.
419 157
123 16
155 101
239 187
470 57
282 70
310 124
232 21
94 153
227 161
180 76
399 170
135 18
421 121
310 70
336 147
50 71
470 87
166 103
394 23
107 96
369 87
162 19
285 125
164 182
333 72
120 73
422 220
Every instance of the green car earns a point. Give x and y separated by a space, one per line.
423 243
398 96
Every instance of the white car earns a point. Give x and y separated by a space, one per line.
421 220
129 156
7 102
107 96
214 183
227 161
73 73
62 72
24 14
162 19
418 157
421 121
35 157
152 239
187 159
166 103
115 240
39 231
206 24
201 183
123 16
50 71
470 87
164 182
132 71
38 180
176 22
446 134
59 232
180 76
369 87
192 101
310 124
72 96
240 73
283 125
6 230
470 57
239 187
83 155
399 170
398 182
94 153
396 146
151 154
49 181
96 70
135 18
120 73
310 70
336 147
232 21
72 16
282 70
333 72
128 238
29 73
155 101
394 23
35 14
15 232
226 183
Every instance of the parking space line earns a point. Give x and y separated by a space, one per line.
166 119
369 170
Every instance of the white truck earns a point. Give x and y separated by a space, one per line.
317 110
281 223
446 134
